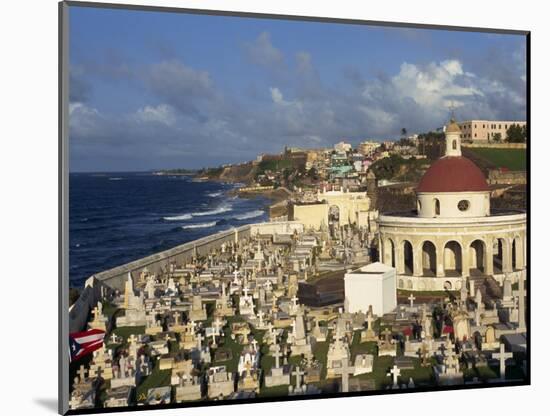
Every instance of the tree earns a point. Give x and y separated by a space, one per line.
497 137
403 132
516 134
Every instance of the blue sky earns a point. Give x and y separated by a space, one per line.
152 90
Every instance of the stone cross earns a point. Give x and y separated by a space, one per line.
82 373
132 339
370 320
245 291
294 300
298 374
96 314
177 318
192 326
411 299
277 354
261 318
254 344
395 372
387 335
502 356
113 338
345 370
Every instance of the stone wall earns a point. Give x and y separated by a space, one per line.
499 177
497 145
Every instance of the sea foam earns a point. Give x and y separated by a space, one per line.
248 215
200 225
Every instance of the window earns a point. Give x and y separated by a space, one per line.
463 205
437 207
475 134
454 144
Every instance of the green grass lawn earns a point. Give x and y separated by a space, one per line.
513 159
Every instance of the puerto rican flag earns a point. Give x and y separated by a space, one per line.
84 343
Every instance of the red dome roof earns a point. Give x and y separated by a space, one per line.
453 174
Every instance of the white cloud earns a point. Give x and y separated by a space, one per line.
262 52
162 113
432 85
276 95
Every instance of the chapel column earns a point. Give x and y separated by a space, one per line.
439 260
488 267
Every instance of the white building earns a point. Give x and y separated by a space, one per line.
373 284
342 147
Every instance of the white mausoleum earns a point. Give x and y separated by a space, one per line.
373 284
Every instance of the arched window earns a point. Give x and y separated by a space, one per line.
454 144
437 207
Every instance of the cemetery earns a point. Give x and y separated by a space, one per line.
229 324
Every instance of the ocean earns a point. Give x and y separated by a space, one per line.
116 218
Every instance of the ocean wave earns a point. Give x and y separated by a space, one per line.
214 194
116 179
219 210
200 225
182 217
248 215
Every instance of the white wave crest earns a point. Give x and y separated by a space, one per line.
201 225
251 214
182 217
219 210
214 194
116 179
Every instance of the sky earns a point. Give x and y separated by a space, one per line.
154 90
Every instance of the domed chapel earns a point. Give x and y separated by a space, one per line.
453 233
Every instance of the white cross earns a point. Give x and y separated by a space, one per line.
132 339
192 326
96 314
502 356
298 374
245 291
395 372
277 354
113 338
254 344
294 301
345 370
411 299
